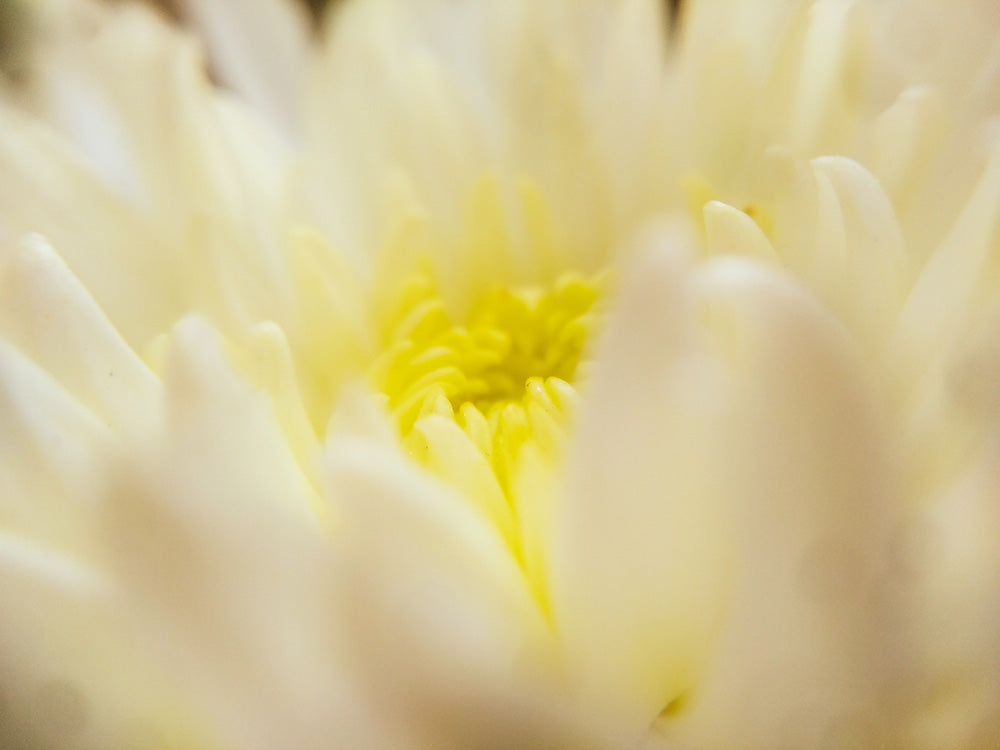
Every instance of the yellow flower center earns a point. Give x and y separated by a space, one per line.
503 373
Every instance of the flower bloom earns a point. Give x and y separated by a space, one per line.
521 373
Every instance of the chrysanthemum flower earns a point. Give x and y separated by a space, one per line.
502 374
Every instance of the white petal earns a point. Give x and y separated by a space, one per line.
951 572
860 263
640 547
47 314
54 459
443 631
201 170
949 285
232 594
731 231
97 88
259 47
905 137
47 190
812 481
827 98
221 430
273 369
227 573
70 672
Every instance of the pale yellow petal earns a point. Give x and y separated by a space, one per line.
731 231
639 557
215 534
811 477
55 457
71 672
259 48
948 569
434 605
46 189
47 313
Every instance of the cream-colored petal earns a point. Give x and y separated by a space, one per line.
950 299
40 591
50 316
640 546
829 91
439 444
331 336
272 368
131 128
204 173
443 93
859 259
729 231
953 48
228 577
812 478
232 594
259 48
71 674
55 457
904 139
950 282
949 569
46 189
443 632
223 429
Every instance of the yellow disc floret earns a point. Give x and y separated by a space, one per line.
503 372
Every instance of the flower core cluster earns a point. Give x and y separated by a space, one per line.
503 372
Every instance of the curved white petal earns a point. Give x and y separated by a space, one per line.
218 429
71 674
47 313
228 577
641 546
47 190
731 231
950 283
441 93
905 138
443 633
950 572
54 459
259 48
813 485
859 260
200 179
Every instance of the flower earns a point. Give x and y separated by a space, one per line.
501 374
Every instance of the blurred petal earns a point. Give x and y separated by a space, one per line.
47 190
954 585
442 628
259 48
47 313
55 457
211 532
812 477
640 551
70 676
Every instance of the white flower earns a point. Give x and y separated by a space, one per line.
507 374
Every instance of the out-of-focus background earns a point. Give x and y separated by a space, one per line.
171 5
16 28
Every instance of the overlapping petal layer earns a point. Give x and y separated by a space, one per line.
762 513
